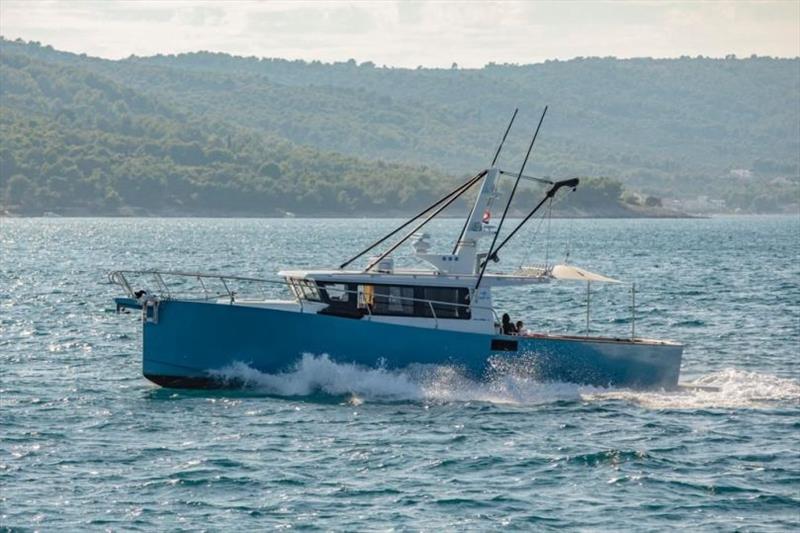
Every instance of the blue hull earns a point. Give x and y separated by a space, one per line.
192 341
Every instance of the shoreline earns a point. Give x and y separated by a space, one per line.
384 215
611 214
369 216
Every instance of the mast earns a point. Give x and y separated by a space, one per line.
494 160
510 198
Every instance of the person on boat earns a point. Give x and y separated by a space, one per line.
520 327
508 326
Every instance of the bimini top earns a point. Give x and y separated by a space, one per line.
565 272
569 272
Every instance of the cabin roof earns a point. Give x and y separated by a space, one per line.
414 277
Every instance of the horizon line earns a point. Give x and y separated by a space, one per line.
365 63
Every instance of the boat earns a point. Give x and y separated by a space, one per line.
198 325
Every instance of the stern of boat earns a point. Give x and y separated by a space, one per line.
598 361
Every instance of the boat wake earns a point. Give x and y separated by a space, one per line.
729 388
430 383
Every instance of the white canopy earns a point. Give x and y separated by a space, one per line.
570 272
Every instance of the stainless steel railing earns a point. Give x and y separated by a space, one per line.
228 284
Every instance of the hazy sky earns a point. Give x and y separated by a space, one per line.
410 33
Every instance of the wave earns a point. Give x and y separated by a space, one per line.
314 374
509 384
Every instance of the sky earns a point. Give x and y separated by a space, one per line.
410 33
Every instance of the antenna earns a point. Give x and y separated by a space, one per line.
496 155
491 253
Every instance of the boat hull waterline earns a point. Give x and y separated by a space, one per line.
192 343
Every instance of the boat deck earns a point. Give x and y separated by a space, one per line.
591 338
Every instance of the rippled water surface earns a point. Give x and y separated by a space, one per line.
88 443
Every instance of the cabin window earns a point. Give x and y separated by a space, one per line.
341 299
310 291
337 292
294 288
393 300
399 300
447 302
305 289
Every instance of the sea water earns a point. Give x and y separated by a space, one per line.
87 442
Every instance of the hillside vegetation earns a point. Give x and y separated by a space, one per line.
77 142
212 131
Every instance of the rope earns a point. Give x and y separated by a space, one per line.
554 202
534 233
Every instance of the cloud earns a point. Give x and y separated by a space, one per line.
410 33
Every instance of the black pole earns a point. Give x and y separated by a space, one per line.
467 184
496 155
428 219
510 198
552 192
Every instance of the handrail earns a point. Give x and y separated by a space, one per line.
160 280
232 293
196 274
433 312
205 291
118 277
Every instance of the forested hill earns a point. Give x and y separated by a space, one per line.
723 128
649 118
77 142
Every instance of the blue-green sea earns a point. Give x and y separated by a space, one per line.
86 443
